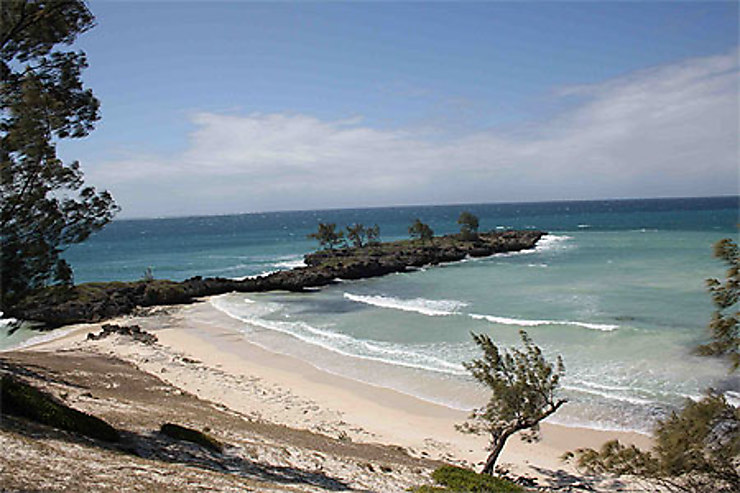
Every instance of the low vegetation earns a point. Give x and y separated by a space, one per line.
697 449
452 478
25 401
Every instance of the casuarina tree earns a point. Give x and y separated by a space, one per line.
523 387
421 231
45 205
468 225
328 236
723 326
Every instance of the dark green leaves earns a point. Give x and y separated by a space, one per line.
723 326
45 205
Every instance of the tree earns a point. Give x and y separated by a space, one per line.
45 204
523 386
468 225
373 235
421 231
723 326
327 235
696 450
357 234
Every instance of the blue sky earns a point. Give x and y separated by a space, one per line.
220 107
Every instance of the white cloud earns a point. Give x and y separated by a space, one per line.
666 131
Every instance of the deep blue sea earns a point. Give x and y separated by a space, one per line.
616 288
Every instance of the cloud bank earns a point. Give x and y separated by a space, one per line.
670 130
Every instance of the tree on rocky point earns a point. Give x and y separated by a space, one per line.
373 235
421 231
468 225
357 234
45 205
523 385
328 236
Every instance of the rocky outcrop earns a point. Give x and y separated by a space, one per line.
132 331
95 302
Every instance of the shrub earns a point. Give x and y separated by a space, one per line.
23 400
189 435
453 478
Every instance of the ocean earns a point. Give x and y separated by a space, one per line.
617 288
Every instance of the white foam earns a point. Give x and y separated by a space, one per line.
733 398
343 344
611 396
536 323
432 308
290 264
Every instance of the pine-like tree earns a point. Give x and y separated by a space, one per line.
45 205
523 387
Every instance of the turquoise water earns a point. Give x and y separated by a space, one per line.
616 288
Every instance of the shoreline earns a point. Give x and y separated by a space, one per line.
287 391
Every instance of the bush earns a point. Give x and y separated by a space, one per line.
453 478
189 435
25 401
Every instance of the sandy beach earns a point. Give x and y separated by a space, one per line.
199 354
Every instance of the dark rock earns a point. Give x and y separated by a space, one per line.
133 331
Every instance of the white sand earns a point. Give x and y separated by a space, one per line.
280 389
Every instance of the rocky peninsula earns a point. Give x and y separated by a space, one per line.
94 302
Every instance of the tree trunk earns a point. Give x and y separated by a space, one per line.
498 446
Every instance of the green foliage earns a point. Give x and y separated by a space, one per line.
468 225
163 292
696 449
373 235
454 478
23 400
523 385
723 326
327 235
44 205
189 435
421 231
357 235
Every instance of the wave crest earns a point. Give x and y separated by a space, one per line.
432 308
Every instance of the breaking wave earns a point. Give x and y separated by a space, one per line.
432 308
536 323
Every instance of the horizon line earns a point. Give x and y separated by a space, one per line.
327 209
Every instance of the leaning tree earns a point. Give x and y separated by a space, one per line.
523 387
45 205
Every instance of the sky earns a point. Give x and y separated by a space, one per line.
230 107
